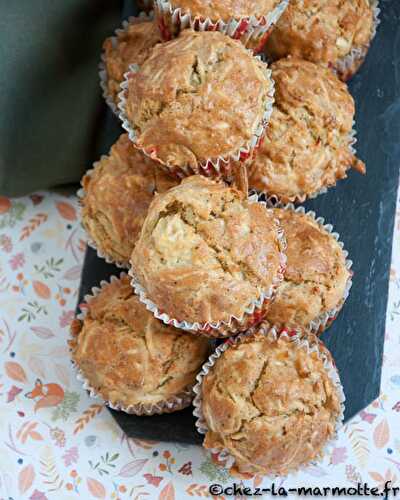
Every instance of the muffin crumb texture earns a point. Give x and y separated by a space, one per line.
322 31
205 253
316 275
197 98
307 146
226 9
128 356
271 405
117 195
130 46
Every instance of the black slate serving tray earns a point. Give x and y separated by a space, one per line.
361 209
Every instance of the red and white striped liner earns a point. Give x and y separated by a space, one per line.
251 31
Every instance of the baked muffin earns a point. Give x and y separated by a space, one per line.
129 358
308 143
197 102
206 255
131 45
249 21
317 278
336 33
272 402
115 197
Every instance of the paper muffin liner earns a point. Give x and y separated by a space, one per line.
143 17
252 315
172 404
324 320
349 65
212 167
222 455
251 31
81 193
273 199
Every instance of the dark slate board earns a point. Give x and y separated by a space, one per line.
361 209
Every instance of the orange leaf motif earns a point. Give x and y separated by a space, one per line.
25 478
41 290
66 210
168 492
381 434
15 371
96 488
5 204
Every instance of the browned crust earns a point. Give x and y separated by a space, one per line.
316 275
322 31
226 9
198 97
306 147
128 356
205 254
272 405
117 195
132 46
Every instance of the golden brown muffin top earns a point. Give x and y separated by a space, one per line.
130 46
322 30
117 195
306 146
226 9
198 97
128 356
272 405
205 253
316 275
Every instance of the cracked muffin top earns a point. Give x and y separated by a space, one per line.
205 253
130 46
323 31
199 97
226 9
271 404
307 143
117 195
128 356
316 275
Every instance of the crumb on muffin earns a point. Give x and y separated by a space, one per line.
197 98
130 46
205 252
270 404
316 274
128 356
307 145
117 194
227 9
322 31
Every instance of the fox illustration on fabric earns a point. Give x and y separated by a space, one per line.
48 394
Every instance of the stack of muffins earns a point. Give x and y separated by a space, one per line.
206 122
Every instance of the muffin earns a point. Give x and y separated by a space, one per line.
130 45
271 402
334 33
208 259
249 21
308 144
317 278
115 197
197 103
129 358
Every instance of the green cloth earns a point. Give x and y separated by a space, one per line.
50 100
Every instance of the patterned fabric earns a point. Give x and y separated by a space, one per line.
56 442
